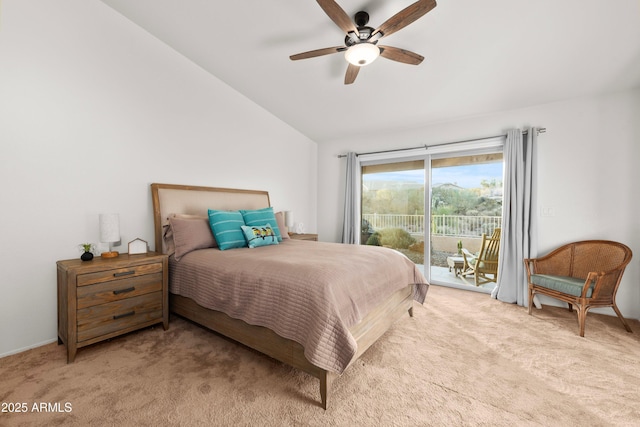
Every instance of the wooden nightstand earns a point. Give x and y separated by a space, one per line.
304 236
107 297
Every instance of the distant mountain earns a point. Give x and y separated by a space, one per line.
448 186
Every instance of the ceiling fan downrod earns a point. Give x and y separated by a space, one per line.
361 18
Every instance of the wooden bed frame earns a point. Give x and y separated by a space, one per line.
185 199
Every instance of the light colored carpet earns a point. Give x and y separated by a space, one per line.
464 359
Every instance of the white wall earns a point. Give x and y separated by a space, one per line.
93 110
588 172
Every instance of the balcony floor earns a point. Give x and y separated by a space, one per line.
442 276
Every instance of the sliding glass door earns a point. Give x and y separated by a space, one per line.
466 202
434 207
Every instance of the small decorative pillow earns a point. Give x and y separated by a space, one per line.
261 217
190 234
262 235
226 229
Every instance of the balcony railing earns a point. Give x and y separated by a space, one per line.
441 225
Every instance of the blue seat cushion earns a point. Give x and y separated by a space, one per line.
567 285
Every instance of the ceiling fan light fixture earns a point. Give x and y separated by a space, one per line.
362 54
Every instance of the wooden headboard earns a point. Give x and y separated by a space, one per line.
194 200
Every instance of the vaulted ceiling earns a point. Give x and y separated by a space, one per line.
480 57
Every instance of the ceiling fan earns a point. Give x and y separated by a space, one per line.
361 42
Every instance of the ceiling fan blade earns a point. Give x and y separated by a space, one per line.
405 17
352 73
400 55
338 15
317 52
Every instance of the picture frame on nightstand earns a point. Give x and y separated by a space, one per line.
138 246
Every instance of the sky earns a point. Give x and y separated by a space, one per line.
468 176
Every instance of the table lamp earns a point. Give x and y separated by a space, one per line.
109 232
288 220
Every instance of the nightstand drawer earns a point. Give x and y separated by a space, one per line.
114 316
120 273
116 290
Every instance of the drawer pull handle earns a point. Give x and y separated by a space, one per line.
124 273
124 291
120 316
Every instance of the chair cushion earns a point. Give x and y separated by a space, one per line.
564 284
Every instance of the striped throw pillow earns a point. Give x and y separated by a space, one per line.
227 228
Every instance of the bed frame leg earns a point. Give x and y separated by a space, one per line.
326 379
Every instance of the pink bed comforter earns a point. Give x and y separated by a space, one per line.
309 292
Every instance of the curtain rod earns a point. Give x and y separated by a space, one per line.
425 146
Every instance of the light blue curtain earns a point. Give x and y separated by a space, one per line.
519 228
350 227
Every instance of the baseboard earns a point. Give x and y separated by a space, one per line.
20 350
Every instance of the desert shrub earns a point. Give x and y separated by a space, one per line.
392 237
396 238
417 247
374 239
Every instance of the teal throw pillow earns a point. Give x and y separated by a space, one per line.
262 235
226 227
261 217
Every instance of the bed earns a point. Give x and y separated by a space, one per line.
315 306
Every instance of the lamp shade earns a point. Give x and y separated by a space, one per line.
362 54
288 219
109 228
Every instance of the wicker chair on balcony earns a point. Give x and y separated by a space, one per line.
484 265
585 274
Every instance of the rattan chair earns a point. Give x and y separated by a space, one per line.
484 266
585 274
